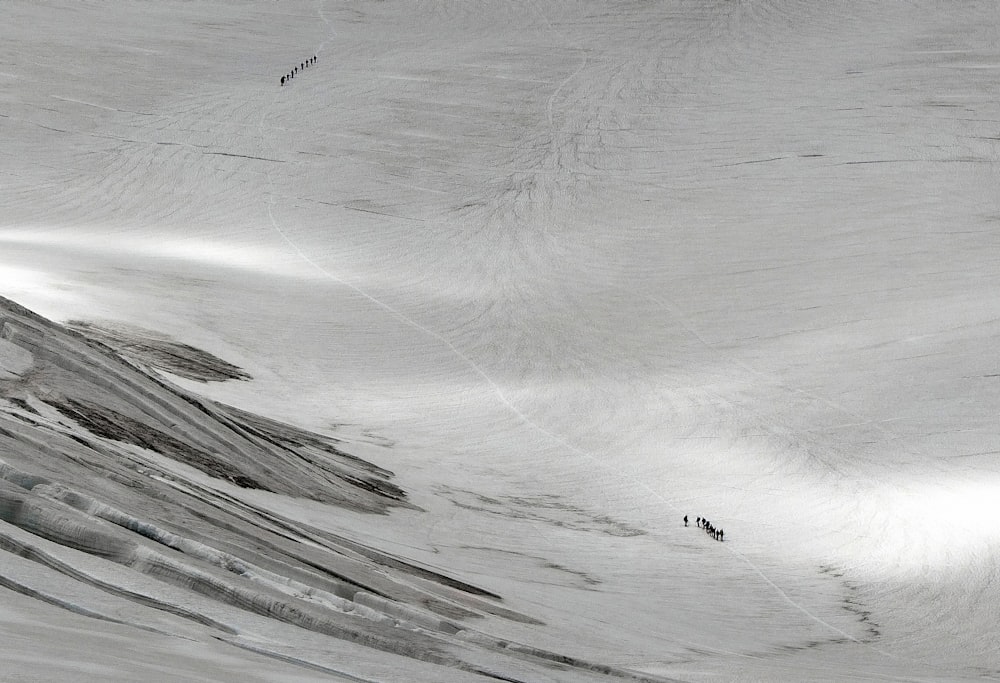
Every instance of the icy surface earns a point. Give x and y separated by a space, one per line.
570 271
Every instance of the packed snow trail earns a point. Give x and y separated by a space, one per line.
600 463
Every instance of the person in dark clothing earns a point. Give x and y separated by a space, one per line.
721 534
685 520
699 522
282 80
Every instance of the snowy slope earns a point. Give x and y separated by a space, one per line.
572 271
105 489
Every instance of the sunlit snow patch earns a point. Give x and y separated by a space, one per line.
262 259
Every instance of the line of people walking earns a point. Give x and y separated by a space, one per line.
709 528
301 67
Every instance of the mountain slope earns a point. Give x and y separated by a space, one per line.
102 482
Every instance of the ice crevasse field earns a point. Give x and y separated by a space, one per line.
569 271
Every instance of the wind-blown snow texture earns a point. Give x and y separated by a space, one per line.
569 270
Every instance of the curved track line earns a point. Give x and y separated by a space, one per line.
332 31
565 82
637 481
556 438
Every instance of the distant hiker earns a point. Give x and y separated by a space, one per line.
721 534
685 520
699 522
282 80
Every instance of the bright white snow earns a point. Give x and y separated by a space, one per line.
571 270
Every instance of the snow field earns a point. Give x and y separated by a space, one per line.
572 272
